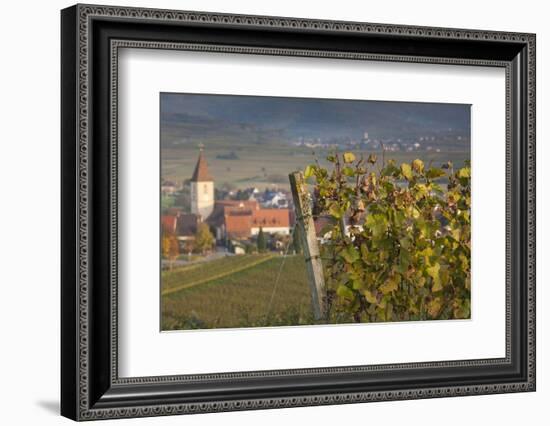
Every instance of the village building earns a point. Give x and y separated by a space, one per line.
187 225
169 223
275 199
242 219
168 187
229 219
182 225
272 221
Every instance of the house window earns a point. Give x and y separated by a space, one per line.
205 188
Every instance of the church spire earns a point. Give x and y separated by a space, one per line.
201 173
202 189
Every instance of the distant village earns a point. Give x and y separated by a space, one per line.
237 221
451 140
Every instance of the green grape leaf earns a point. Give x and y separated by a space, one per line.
350 254
434 173
335 211
345 292
348 171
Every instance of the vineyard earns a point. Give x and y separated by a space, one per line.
395 247
398 240
202 273
237 291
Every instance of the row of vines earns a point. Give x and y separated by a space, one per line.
397 245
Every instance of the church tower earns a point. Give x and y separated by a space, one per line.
202 189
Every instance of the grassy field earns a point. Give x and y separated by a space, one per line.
237 291
267 165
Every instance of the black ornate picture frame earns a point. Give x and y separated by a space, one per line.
90 38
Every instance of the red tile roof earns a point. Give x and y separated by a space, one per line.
239 217
238 226
201 173
239 204
225 207
169 223
271 218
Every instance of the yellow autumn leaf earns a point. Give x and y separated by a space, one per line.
371 298
349 157
406 171
418 165
390 284
434 307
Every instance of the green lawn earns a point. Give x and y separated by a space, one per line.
242 297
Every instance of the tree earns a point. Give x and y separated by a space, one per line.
250 248
170 247
261 242
188 247
204 240
296 242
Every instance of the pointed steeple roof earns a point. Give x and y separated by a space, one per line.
201 173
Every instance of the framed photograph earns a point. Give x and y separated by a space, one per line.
263 212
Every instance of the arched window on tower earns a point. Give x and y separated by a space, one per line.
205 188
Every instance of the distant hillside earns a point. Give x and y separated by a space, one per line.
187 129
188 119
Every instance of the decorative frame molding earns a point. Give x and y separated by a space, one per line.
91 37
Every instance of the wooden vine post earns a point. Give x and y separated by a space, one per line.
306 228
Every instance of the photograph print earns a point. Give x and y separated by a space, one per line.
280 211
